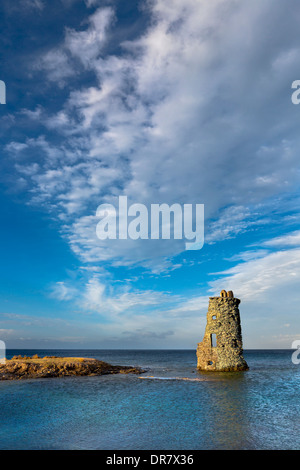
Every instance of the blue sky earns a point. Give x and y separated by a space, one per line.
183 102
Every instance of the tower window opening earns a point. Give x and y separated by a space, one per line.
213 340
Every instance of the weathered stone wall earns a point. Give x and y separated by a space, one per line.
223 321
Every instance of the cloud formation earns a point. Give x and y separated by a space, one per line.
194 108
186 112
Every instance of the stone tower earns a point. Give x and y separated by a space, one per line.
222 348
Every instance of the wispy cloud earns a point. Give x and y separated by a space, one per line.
96 295
288 240
275 263
33 4
157 126
192 106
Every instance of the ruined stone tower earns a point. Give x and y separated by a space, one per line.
222 348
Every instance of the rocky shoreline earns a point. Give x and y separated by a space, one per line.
27 367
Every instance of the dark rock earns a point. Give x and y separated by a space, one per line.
23 367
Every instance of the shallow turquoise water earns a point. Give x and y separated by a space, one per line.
256 409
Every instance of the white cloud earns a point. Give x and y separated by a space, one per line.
126 312
4 332
62 291
97 298
261 278
91 3
291 239
57 65
37 4
232 221
87 44
194 307
185 113
266 282
16 147
268 288
249 255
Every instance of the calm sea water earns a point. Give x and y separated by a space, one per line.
257 409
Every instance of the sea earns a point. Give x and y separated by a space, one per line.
171 406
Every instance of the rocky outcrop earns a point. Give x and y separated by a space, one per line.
50 366
221 348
